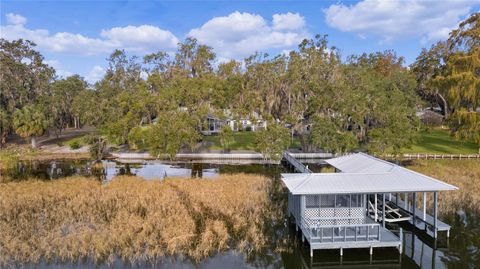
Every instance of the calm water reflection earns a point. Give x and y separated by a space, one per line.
420 251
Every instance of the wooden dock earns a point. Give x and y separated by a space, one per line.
295 164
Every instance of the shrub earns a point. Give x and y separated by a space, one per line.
74 144
98 146
226 137
271 142
137 137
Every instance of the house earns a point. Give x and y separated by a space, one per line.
430 117
252 123
350 208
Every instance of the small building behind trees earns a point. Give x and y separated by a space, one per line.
214 123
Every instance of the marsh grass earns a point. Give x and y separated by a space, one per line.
132 219
465 174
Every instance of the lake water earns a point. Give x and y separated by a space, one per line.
420 251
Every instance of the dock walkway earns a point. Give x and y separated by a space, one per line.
297 166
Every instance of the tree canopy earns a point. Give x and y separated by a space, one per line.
450 70
161 101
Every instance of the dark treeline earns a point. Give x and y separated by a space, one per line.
161 101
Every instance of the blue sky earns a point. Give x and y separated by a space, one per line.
77 36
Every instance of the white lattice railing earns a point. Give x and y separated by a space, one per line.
341 233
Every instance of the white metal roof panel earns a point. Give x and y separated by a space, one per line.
360 163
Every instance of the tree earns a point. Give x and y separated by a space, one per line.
29 121
172 131
61 100
378 101
272 141
24 78
193 59
462 79
226 137
98 146
327 135
314 71
428 66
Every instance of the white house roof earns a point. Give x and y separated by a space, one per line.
362 173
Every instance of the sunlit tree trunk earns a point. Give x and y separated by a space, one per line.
33 142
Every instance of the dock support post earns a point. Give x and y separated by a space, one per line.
400 234
371 250
383 211
311 252
341 251
414 206
425 210
406 202
435 214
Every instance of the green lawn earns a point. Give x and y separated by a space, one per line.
436 141
439 141
243 141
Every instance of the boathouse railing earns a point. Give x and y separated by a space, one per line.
341 233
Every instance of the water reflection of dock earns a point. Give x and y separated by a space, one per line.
420 251
331 260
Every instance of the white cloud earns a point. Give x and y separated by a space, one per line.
143 39
95 74
390 20
288 21
15 19
241 34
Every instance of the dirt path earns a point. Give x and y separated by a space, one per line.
66 135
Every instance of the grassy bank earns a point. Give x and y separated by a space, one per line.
131 218
243 141
439 141
464 174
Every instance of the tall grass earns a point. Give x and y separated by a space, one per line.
465 174
133 219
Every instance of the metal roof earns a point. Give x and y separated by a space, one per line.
375 176
360 163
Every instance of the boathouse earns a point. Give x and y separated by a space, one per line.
350 208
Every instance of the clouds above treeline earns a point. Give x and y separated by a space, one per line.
240 34
141 39
393 20
234 36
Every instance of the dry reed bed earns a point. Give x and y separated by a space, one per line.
465 174
131 218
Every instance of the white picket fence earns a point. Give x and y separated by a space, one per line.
423 156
